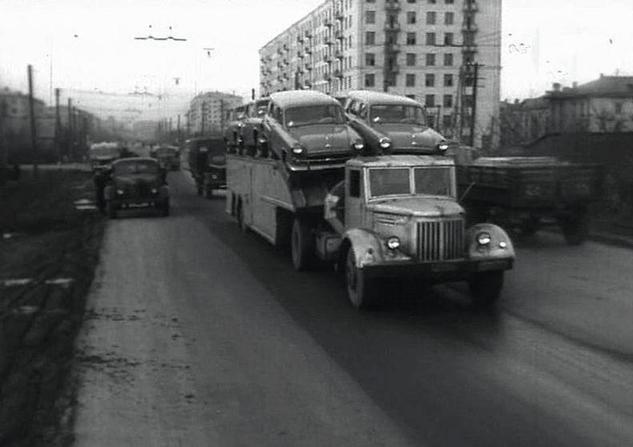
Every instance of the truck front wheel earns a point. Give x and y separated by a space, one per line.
361 290
301 245
485 288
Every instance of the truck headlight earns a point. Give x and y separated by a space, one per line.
393 243
358 145
385 143
503 245
484 238
297 149
119 192
154 191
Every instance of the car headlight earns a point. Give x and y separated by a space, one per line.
154 191
119 192
484 238
393 243
503 245
358 145
385 143
443 146
297 149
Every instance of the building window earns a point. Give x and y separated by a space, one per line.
429 80
411 17
447 122
448 59
431 16
429 100
431 2
411 59
370 59
371 1
448 80
410 97
618 108
430 38
370 38
448 100
370 80
449 18
410 81
430 59
448 38
370 17
410 38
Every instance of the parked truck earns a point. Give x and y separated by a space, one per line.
527 192
390 216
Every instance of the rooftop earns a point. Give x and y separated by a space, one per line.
619 86
374 97
301 98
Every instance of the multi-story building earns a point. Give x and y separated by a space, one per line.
207 112
434 51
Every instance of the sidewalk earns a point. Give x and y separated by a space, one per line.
613 232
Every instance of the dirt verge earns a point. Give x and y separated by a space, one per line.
48 253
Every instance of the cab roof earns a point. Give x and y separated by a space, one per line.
372 97
298 98
402 161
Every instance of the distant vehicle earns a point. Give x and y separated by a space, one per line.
233 130
205 159
392 124
101 155
251 129
307 130
168 156
136 182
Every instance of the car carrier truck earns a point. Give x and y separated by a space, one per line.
388 216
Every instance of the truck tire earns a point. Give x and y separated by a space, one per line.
111 210
485 288
575 229
361 290
301 245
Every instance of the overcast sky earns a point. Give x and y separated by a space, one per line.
91 49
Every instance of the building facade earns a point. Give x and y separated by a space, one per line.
434 51
207 112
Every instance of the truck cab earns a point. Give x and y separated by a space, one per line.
398 216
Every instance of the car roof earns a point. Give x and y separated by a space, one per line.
372 97
295 98
404 161
133 159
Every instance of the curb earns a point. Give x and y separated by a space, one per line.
612 239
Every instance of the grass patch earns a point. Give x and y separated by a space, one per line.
39 321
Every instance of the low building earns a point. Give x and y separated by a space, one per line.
207 112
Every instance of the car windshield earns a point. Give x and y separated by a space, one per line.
261 107
434 181
136 167
389 181
395 113
311 115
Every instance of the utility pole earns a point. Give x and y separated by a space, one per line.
473 114
69 129
29 71
178 128
4 150
222 113
57 127
204 118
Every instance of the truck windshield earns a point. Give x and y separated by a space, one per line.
389 181
395 113
311 115
434 181
136 167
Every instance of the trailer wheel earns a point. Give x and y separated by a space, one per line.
485 288
301 245
575 229
361 290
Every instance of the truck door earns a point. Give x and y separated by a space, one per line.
353 198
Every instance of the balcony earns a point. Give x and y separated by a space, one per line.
338 34
469 27
308 67
392 6
470 6
394 69
327 77
338 73
300 39
338 15
338 54
327 22
308 34
393 48
300 54
327 58
392 27
308 50
328 41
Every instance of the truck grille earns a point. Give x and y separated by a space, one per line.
440 240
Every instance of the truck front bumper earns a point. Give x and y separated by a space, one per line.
436 271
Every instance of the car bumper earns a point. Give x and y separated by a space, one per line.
437 271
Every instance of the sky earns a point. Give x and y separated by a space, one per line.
88 47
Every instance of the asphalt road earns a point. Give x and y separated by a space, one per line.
199 334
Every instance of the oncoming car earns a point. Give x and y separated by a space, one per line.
136 182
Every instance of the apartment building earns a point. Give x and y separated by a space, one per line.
434 51
207 112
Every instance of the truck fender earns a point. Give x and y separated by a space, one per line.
495 249
367 247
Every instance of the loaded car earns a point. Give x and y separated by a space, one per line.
392 124
251 128
233 130
136 182
308 130
168 157
205 159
